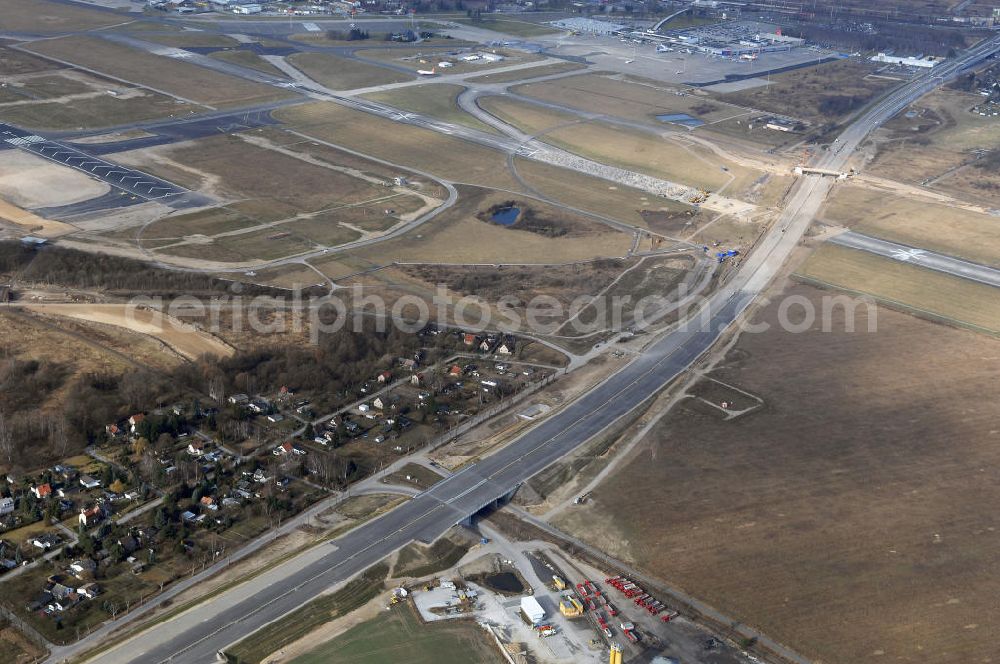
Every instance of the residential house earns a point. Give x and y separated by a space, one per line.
196 448
284 449
455 370
259 405
507 346
39 601
89 590
83 568
113 430
65 472
88 482
208 502
128 544
380 403
274 418
384 377
486 346
135 421
417 379
90 516
238 399
410 364
469 339
42 491
46 541
6 506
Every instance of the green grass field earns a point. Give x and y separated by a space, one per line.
437 100
344 74
297 624
95 112
246 59
906 287
399 636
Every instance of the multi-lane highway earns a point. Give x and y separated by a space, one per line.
197 635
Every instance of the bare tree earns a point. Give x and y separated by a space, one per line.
6 440
217 388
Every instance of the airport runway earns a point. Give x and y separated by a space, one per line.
182 129
128 181
921 257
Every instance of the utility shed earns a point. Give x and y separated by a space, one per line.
532 610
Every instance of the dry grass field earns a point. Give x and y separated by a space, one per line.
851 517
234 168
95 112
282 201
916 222
907 287
594 194
339 73
631 99
188 341
15 63
437 100
527 117
939 144
634 150
450 158
809 94
565 283
83 347
170 75
18 648
458 236
45 17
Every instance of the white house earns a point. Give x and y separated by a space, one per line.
6 506
88 482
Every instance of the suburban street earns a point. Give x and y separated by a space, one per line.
198 634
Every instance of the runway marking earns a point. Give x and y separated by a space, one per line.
908 254
25 140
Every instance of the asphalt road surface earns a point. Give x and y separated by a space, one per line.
197 635
922 257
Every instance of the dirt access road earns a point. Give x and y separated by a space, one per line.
186 340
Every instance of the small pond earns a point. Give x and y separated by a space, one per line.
505 582
506 216
681 119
